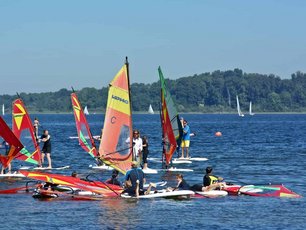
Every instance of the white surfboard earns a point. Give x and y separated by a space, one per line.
162 194
9 175
150 171
198 159
176 170
160 184
101 167
44 168
213 193
175 161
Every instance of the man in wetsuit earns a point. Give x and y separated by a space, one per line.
46 150
211 182
136 178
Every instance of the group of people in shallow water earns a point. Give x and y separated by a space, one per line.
135 179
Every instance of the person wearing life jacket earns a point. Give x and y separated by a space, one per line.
211 182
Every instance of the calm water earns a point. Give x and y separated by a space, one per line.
258 149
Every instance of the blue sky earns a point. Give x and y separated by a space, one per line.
49 45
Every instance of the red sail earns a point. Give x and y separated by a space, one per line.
14 145
24 131
115 147
85 138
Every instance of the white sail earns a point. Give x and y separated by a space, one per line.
250 109
150 111
86 110
3 110
238 108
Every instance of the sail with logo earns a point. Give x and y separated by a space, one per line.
115 147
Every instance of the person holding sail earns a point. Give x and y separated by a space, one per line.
185 139
6 146
46 150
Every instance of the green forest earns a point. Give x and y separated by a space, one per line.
207 92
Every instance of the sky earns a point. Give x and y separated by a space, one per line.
49 45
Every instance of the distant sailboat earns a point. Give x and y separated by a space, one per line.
3 110
238 108
150 111
250 109
86 110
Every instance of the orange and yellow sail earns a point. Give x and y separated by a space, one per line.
9 143
24 130
115 148
84 135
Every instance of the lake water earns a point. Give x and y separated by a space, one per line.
252 150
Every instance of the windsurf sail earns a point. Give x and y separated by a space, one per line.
86 110
3 110
84 135
97 187
24 130
10 145
250 109
238 107
150 110
115 147
268 191
171 126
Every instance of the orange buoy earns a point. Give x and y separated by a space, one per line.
218 134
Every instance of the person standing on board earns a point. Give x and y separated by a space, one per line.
36 124
185 139
145 151
137 146
46 150
6 147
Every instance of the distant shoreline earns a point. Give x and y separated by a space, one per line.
145 112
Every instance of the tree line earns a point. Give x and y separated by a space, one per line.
206 92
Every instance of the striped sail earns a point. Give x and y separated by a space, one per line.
23 129
171 125
86 140
7 137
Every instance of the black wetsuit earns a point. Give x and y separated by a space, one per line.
113 181
47 144
145 151
183 185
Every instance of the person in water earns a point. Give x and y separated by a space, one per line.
181 184
114 179
145 151
5 145
211 182
134 181
74 174
46 150
185 139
